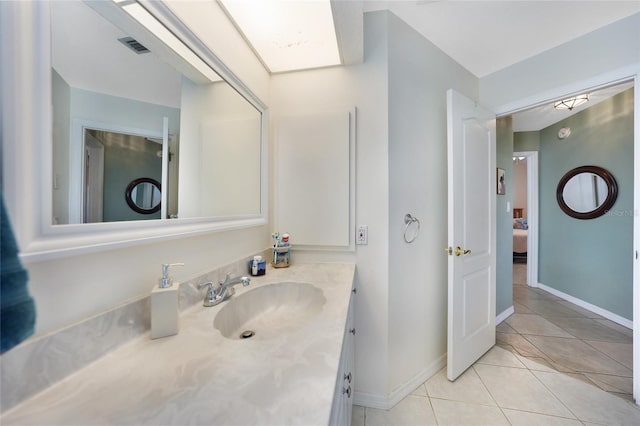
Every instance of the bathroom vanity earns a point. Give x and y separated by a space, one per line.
286 373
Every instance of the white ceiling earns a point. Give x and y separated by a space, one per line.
544 116
87 54
487 36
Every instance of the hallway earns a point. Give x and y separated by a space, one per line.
567 338
542 371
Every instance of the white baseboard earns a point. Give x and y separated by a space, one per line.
386 403
504 314
588 306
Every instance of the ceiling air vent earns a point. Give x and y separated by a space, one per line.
134 45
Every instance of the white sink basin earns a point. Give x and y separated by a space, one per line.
269 311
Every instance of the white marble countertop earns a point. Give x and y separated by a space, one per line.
200 377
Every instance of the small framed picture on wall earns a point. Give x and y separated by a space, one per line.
501 180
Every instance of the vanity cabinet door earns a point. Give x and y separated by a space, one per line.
343 396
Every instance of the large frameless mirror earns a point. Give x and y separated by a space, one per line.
587 192
127 106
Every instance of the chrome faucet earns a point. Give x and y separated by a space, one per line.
223 291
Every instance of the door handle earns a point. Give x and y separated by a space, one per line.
460 251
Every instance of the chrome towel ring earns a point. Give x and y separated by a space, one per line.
408 221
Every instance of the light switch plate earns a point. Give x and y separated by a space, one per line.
362 235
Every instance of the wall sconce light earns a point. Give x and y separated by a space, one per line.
571 103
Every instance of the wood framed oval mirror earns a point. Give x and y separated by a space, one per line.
143 195
587 192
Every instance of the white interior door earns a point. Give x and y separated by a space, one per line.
471 144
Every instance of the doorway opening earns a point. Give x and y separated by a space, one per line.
555 322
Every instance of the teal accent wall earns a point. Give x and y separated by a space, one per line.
590 259
526 141
124 162
504 219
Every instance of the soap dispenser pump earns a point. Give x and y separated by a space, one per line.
164 305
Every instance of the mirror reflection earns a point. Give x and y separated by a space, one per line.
143 195
111 161
585 192
152 115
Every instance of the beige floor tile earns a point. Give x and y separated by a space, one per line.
621 352
589 329
457 413
522 418
585 312
589 403
535 324
545 294
548 308
519 308
520 274
560 367
538 364
412 410
503 327
520 344
612 383
501 357
624 396
466 388
357 416
581 377
619 328
420 391
525 294
519 389
578 356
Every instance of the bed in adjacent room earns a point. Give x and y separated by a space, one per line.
520 232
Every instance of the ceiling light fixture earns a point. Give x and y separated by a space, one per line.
571 103
287 35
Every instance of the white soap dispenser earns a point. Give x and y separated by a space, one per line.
164 305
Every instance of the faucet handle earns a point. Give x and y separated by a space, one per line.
208 284
211 298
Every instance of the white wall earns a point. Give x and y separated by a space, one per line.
419 76
401 157
74 288
342 88
61 92
613 47
219 152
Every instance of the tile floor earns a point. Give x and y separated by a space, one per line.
567 338
529 378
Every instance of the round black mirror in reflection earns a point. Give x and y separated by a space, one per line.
143 195
587 192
